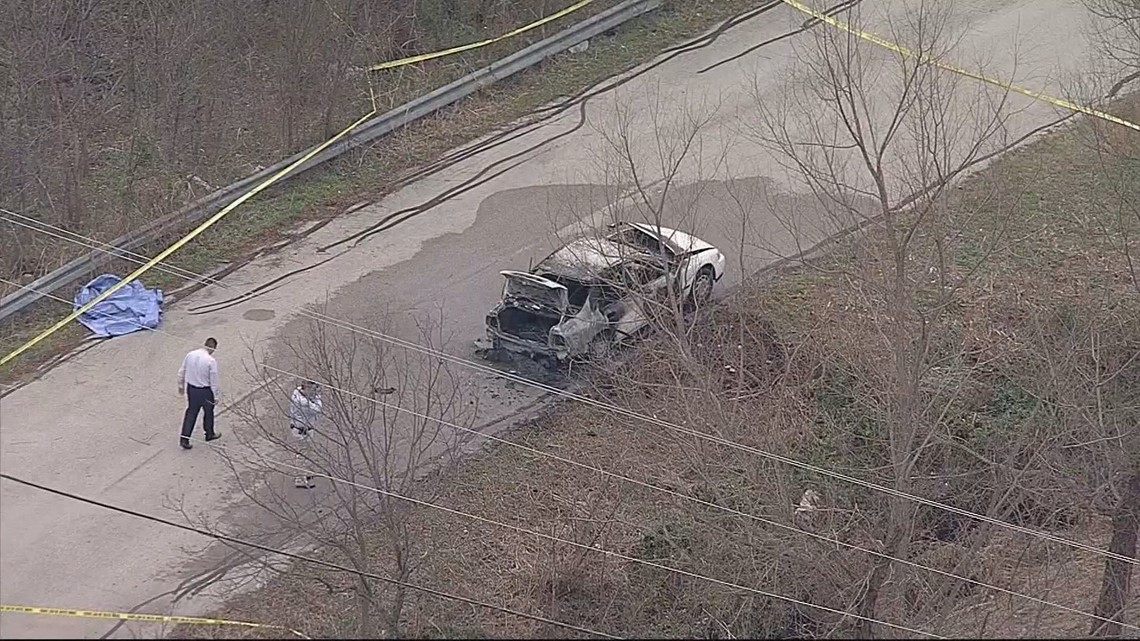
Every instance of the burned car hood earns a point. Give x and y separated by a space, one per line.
523 288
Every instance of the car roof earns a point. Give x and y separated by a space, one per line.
587 258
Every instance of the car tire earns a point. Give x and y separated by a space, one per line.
702 289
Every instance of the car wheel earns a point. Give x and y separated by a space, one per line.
702 289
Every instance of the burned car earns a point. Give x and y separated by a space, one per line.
598 291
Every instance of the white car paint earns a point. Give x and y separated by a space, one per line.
633 248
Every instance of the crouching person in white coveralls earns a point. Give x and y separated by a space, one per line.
304 412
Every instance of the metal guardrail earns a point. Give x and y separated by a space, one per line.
368 132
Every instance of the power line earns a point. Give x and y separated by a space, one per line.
516 528
474 517
319 317
57 232
683 48
688 497
933 504
307 559
717 439
342 324
644 484
583 546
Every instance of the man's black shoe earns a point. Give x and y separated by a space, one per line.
185 445
216 436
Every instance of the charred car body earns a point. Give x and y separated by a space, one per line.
597 291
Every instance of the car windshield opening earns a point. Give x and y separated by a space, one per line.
637 239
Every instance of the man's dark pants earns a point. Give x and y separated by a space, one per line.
198 399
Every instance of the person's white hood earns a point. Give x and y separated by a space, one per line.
303 410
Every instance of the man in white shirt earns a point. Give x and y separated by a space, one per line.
304 411
198 379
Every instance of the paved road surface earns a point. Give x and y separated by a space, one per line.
104 424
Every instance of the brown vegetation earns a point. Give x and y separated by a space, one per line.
115 113
272 217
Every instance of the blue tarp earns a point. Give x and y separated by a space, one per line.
131 308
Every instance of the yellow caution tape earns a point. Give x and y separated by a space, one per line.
279 175
150 618
882 42
396 63
164 254
475 45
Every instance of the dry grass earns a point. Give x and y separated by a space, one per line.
192 96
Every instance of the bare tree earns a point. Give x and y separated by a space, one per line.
879 138
1114 35
384 427
113 113
664 166
1117 573
1116 31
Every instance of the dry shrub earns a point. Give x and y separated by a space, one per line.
1030 391
114 113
